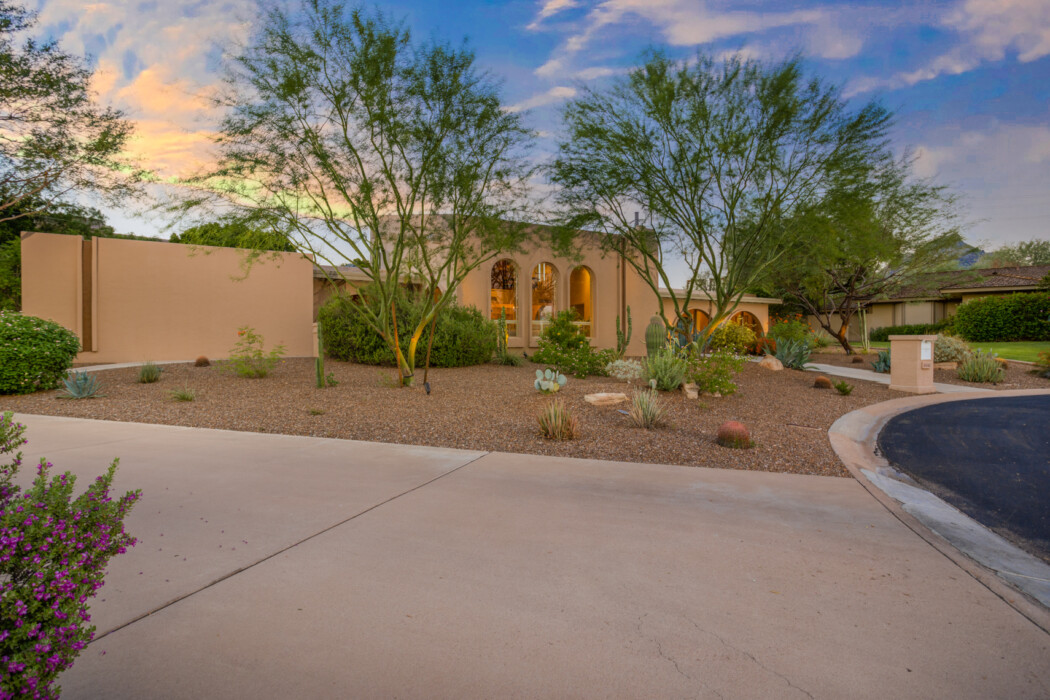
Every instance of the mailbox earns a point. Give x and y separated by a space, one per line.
911 363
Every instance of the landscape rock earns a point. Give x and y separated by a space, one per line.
770 362
605 399
691 390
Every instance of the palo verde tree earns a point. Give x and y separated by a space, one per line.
55 140
875 230
717 156
361 146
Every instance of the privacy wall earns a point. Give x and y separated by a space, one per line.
131 301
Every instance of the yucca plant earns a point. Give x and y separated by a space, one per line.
81 385
557 422
981 367
149 373
647 410
793 354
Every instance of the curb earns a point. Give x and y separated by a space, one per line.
1019 579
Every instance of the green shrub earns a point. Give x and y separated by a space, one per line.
565 348
882 335
1004 319
247 358
713 373
149 373
647 410
34 354
843 388
948 348
1042 365
625 370
462 336
793 328
981 367
54 549
732 336
667 369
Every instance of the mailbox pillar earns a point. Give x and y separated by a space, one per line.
911 363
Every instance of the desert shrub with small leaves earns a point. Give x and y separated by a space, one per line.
843 388
247 358
981 367
733 337
948 348
714 372
667 369
625 370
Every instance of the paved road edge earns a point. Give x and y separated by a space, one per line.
1013 575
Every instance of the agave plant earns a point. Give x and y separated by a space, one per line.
882 363
81 385
549 381
793 354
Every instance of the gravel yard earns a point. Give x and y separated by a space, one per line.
1018 375
488 407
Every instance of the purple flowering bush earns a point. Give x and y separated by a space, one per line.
53 552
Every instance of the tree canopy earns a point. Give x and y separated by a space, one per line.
1024 253
235 234
719 157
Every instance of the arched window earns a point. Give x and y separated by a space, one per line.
544 293
581 298
504 296
749 320
700 320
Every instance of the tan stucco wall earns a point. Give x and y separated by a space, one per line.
51 278
167 301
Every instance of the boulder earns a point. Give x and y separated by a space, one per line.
691 390
770 362
605 399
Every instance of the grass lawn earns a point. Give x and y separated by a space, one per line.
1025 351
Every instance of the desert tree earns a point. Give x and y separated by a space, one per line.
716 155
876 229
56 141
363 147
1021 254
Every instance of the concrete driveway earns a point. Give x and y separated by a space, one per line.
279 566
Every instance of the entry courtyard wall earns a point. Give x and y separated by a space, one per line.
131 301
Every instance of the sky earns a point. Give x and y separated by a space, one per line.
969 80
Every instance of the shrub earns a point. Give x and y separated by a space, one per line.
821 340
734 434
981 367
1042 365
202 361
462 336
625 370
948 348
1005 318
843 388
53 553
557 422
247 358
80 385
881 335
714 373
732 336
793 354
185 394
509 359
647 410
149 373
667 369
792 328
565 348
34 354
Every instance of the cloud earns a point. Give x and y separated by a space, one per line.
555 94
551 8
988 31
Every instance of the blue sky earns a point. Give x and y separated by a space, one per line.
969 79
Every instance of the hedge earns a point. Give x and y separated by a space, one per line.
881 335
462 336
1001 319
34 354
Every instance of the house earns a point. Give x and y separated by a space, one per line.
936 296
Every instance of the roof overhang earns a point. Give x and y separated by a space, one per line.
705 296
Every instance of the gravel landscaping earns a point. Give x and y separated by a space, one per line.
487 407
1018 374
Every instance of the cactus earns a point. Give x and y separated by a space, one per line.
623 340
882 364
822 382
734 434
655 336
501 333
319 361
549 381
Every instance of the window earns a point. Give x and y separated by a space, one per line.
749 320
700 320
581 298
544 292
504 296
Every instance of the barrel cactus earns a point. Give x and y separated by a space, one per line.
549 381
655 336
734 434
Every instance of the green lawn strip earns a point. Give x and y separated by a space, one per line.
1026 351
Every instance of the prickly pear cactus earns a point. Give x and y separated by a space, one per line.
655 336
549 381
